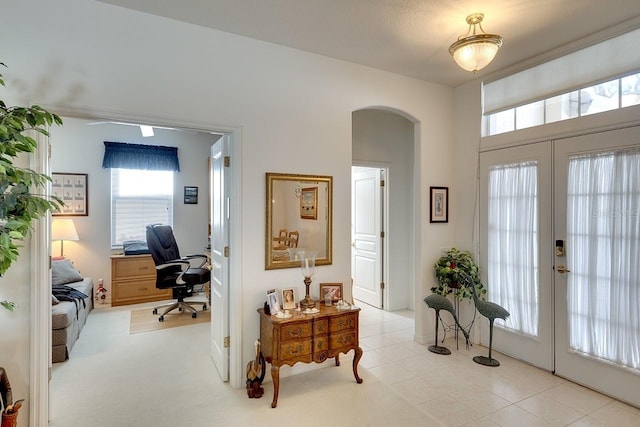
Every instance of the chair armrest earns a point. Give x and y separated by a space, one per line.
183 264
205 259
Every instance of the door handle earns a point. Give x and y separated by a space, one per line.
562 269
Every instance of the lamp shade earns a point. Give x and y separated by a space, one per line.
63 229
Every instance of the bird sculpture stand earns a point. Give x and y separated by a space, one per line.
491 311
255 374
439 302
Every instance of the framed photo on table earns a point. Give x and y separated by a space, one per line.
73 190
439 204
272 300
331 290
288 299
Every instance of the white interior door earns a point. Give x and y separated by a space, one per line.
515 263
597 214
366 242
219 260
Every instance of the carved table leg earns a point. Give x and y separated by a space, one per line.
337 359
275 376
356 360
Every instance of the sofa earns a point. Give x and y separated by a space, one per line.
72 301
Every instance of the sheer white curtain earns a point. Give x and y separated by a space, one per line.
512 259
603 250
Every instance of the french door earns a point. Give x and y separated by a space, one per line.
597 293
515 266
560 233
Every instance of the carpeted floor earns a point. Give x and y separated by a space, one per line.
144 320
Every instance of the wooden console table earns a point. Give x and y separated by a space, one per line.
309 338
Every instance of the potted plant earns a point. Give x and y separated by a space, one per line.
20 200
456 272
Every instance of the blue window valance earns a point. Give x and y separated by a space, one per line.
139 156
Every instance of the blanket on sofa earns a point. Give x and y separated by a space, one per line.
67 293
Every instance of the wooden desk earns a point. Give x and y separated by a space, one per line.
309 338
133 280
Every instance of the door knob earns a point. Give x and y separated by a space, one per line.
562 269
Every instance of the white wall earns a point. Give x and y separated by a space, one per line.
288 104
386 138
78 147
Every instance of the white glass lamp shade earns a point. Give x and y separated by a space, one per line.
307 262
473 55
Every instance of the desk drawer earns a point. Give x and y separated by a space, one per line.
126 268
348 322
294 349
138 289
320 327
295 331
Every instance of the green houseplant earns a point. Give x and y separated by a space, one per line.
456 272
20 198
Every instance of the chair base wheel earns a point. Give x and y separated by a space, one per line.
483 360
438 349
155 311
194 315
161 319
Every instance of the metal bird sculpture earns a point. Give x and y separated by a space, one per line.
439 302
491 311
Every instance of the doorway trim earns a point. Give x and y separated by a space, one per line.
41 250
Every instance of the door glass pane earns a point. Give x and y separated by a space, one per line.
530 115
603 249
630 90
512 259
599 98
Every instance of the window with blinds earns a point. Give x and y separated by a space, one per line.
139 198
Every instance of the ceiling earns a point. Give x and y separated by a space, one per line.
408 37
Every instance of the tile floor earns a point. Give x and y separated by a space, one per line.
114 378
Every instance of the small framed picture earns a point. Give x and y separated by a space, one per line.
309 203
288 299
439 204
272 300
331 290
190 195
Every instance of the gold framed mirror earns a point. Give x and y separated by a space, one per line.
299 216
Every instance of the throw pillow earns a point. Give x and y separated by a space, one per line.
54 300
63 272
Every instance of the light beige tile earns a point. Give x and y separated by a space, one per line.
514 416
391 373
550 410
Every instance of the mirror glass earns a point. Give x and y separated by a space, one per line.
299 212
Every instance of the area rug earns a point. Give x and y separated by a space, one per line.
144 320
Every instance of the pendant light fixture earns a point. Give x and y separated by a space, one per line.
476 49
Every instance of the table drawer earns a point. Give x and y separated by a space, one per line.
343 339
342 323
295 331
293 349
126 267
320 326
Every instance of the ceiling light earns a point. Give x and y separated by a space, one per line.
146 130
474 51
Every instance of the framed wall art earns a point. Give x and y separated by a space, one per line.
73 190
309 203
439 204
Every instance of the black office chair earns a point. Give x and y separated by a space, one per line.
175 272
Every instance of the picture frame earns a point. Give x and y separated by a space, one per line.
309 203
190 195
73 190
439 204
288 299
334 290
272 300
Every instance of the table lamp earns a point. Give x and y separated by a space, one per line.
307 268
63 229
